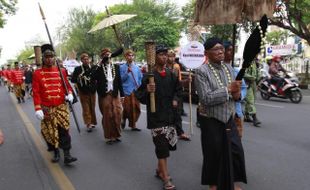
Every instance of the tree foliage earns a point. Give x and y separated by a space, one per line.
25 54
7 7
158 22
277 37
294 16
74 36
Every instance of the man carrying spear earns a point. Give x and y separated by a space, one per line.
49 96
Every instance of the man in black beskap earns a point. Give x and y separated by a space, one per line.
87 91
162 122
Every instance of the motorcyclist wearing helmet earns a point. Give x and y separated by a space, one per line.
274 69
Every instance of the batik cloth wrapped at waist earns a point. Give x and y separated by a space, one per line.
54 117
169 132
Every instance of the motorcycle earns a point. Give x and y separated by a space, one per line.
288 90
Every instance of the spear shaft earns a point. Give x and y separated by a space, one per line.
59 70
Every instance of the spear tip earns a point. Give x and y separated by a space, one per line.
41 11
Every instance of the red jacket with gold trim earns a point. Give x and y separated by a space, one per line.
48 88
8 74
17 76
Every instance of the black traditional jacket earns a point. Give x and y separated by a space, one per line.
102 83
82 76
167 89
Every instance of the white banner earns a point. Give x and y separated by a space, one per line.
288 49
192 55
70 65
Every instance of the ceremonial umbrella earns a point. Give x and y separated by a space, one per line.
231 12
112 20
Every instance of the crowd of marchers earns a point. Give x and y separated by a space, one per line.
119 89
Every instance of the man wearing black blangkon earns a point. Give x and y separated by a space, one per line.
161 123
218 91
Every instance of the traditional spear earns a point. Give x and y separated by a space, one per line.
59 69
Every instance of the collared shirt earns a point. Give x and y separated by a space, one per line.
131 80
238 106
109 78
214 98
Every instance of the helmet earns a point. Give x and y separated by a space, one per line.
276 58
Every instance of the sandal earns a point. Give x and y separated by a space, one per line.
184 137
168 185
157 175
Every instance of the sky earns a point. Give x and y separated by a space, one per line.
27 24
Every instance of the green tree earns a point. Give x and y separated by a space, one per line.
277 37
25 54
158 22
293 15
74 34
187 14
6 8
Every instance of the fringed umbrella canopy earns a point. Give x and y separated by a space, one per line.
110 21
231 11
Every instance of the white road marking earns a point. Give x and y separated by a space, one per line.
60 177
269 105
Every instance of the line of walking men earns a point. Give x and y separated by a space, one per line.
17 80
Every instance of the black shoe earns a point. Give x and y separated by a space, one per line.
256 122
69 160
136 129
109 142
56 157
23 100
117 140
18 100
89 130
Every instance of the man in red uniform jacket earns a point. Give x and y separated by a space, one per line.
17 79
49 97
7 78
1 75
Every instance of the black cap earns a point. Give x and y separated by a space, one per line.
211 42
227 44
15 63
47 49
161 48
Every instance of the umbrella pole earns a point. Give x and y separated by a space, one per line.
117 36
